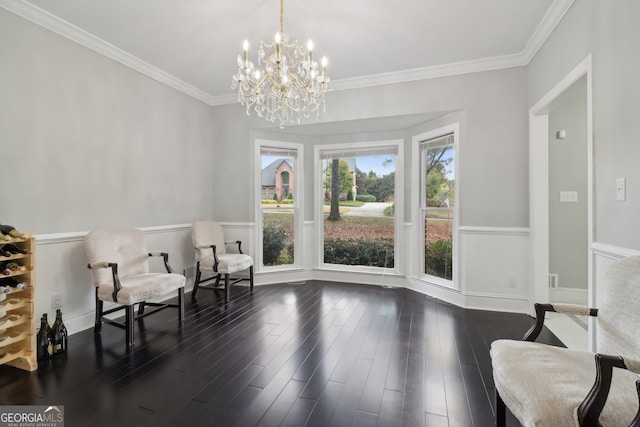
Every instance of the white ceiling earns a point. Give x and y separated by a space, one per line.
192 44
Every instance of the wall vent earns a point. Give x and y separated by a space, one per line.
553 281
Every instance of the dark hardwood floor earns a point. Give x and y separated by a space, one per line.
313 354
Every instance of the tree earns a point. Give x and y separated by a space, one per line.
437 185
345 177
382 188
334 213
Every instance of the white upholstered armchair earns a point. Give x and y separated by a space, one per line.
119 264
544 385
212 257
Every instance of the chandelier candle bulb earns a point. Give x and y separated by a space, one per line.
245 47
310 49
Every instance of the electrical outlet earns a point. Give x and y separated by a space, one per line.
568 197
56 301
553 281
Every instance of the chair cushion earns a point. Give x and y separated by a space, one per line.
123 246
142 287
207 233
227 263
543 385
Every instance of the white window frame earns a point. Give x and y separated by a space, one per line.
417 201
298 202
398 145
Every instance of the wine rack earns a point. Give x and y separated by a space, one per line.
17 324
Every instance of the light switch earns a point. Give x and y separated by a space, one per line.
568 197
621 190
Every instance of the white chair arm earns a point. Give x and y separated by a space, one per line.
580 310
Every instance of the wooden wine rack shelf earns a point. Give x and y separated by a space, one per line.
17 325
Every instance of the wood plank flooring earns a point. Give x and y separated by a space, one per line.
313 354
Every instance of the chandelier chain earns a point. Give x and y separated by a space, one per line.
282 16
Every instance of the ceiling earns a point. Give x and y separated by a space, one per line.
192 45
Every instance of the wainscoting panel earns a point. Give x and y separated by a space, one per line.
493 273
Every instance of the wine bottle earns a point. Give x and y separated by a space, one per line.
4 290
14 266
4 252
11 231
11 282
59 334
44 340
46 320
13 249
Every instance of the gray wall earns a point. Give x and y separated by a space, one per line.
88 142
493 157
568 228
609 31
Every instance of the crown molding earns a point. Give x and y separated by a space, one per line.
66 29
549 23
446 70
47 20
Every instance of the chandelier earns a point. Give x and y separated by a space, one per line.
287 85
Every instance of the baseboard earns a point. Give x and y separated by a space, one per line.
569 295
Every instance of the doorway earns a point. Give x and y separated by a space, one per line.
568 188
558 196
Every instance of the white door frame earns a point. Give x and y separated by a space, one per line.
539 186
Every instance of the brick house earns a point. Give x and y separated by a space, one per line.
277 178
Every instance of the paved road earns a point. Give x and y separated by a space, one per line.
368 209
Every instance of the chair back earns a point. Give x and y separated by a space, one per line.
209 233
618 330
125 246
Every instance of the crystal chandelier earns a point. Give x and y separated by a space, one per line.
287 85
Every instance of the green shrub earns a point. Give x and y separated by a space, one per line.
274 239
438 259
376 252
268 202
390 210
367 198
290 196
350 195
286 255
287 202
275 197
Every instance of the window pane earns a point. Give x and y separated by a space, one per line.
439 199
278 208
438 248
359 210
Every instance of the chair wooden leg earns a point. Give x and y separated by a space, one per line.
501 408
251 278
180 305
196 282
129 322
226 287
97 327
141 308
